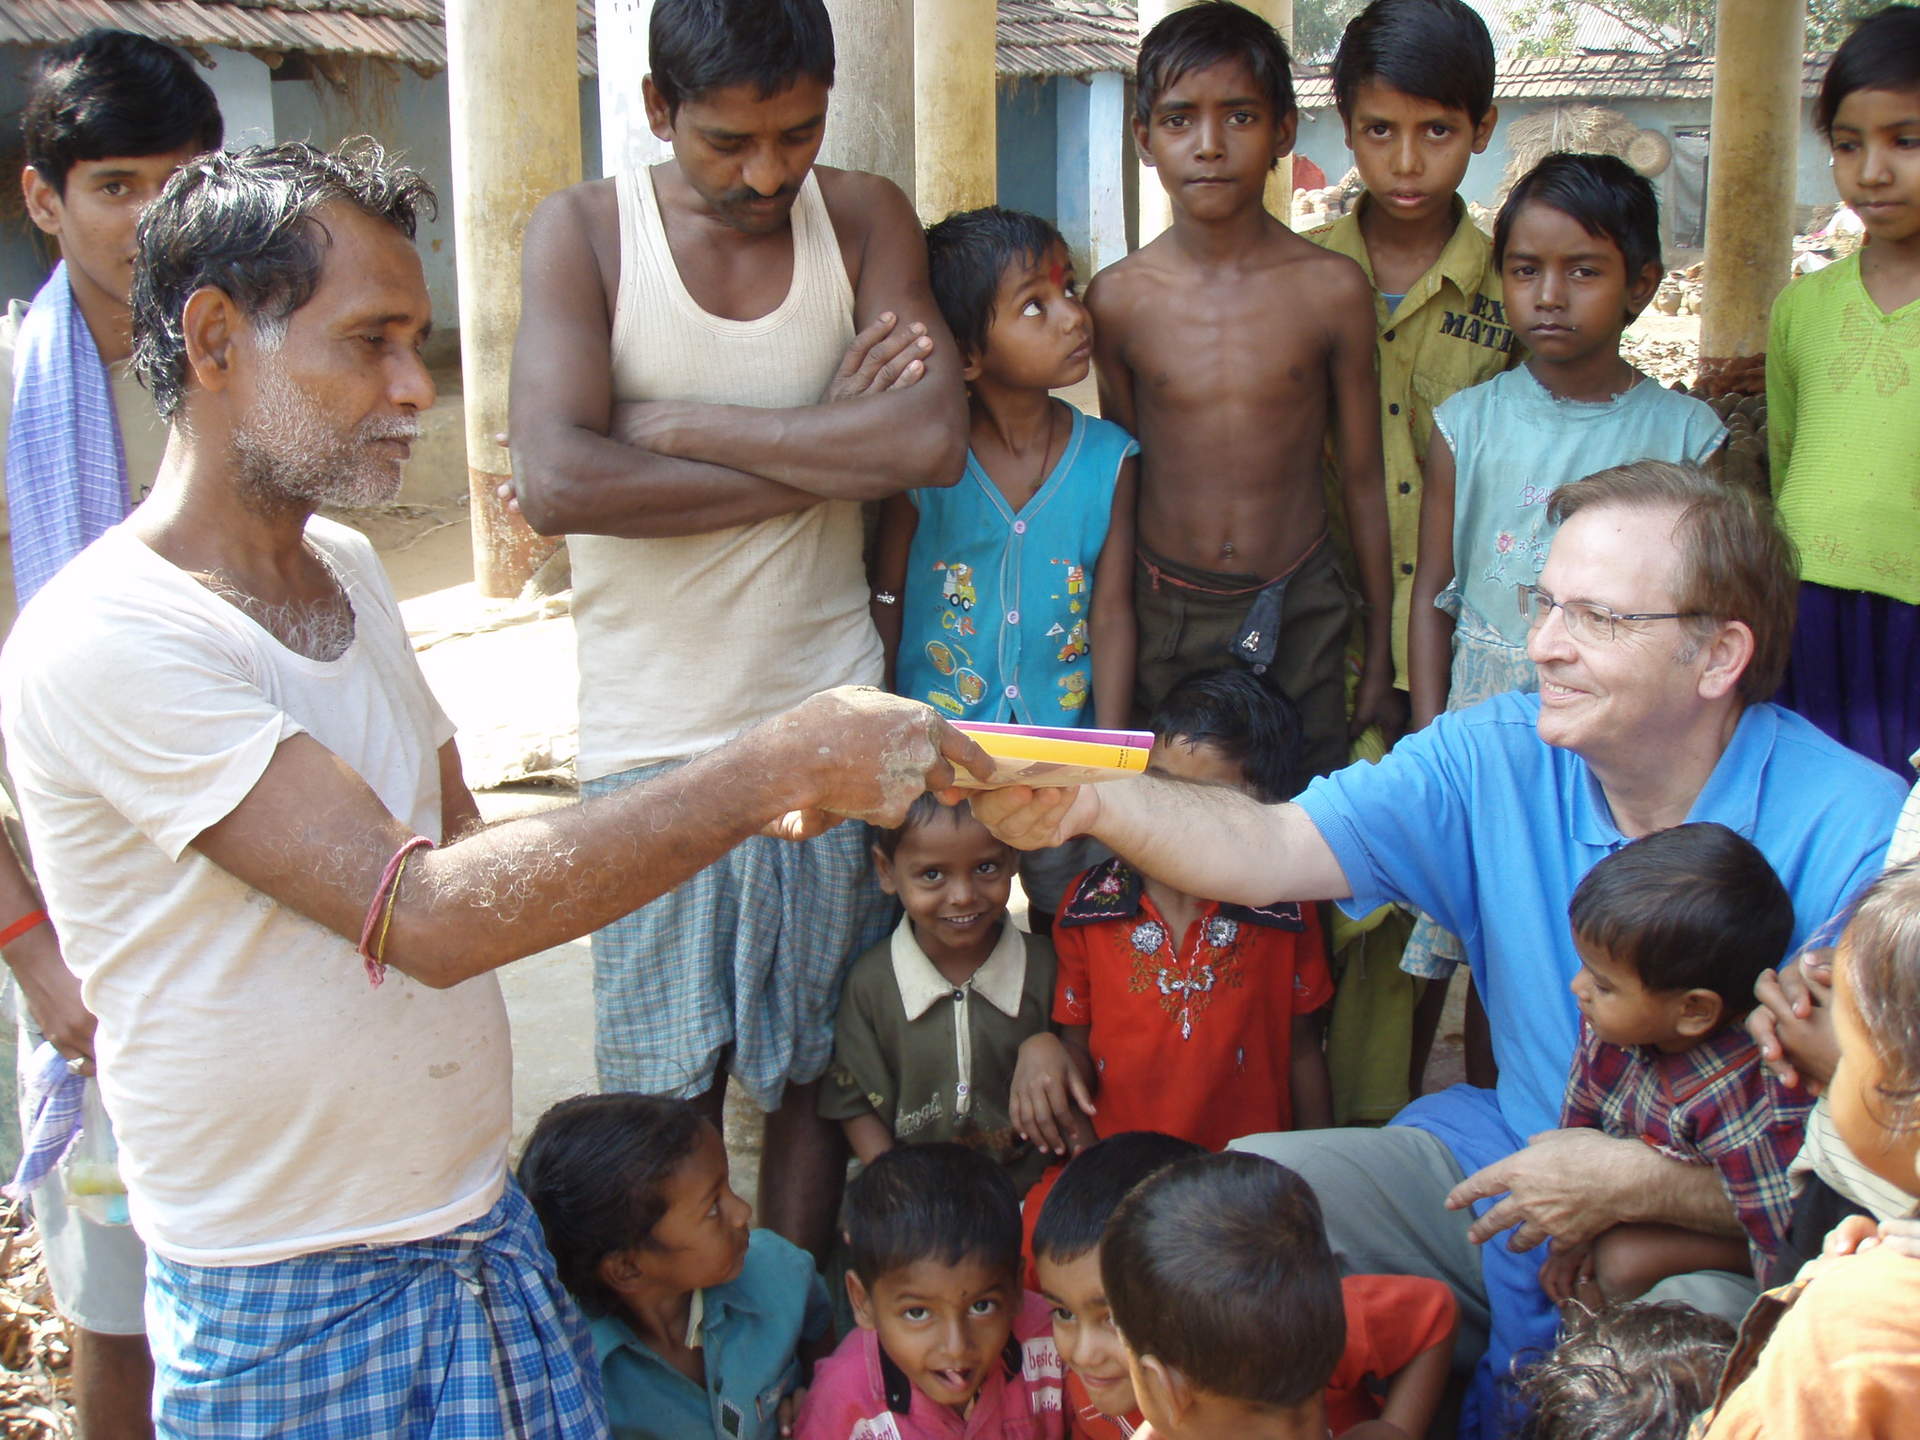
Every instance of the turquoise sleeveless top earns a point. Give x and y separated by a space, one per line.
994 621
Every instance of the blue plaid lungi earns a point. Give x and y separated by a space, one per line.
750 953
465 1336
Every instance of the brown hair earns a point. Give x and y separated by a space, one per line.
1882 943
1736 563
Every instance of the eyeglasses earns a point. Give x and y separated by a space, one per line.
1586 620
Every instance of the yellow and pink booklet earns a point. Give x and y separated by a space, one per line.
1041 756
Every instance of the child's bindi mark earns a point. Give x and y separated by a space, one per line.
1057 273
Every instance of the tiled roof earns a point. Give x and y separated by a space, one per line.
1682 75
409 31
1065 37
1034 38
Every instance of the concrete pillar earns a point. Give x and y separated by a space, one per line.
953 105
1155 213
627 142
513 84
243 84
1073 167
870 121
1750 172
1279 14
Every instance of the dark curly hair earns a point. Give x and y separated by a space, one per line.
246 222
1636 1371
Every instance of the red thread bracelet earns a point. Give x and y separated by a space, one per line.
382 900
21 926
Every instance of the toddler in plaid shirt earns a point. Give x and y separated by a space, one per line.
1672 931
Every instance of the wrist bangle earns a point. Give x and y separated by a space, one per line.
885 597
380 912
21 926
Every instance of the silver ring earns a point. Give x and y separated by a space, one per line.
76 1064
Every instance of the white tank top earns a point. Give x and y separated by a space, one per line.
686 641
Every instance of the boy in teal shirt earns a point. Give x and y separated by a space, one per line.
1413 81
702 1327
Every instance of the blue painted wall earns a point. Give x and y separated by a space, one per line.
1028 144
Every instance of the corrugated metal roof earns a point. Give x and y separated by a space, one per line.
1679 76
1511 22
412 32
1080 37
1065 37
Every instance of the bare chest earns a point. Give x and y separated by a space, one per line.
317 622
1213 357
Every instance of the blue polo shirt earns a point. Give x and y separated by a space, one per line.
751 1330
1487 828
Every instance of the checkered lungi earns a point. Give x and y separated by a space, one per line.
750 953
465 1336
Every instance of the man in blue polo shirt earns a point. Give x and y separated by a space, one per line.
1662 622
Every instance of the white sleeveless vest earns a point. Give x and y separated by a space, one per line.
686 641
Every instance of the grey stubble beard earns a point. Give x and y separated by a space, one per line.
288 456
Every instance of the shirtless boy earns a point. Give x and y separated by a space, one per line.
1228 346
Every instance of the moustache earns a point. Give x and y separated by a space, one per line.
408 430
745 196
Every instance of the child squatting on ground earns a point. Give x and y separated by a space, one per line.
700 1326
1232 347
945 1330
1672 932
1189 1016
1399 1342
1007 597
932 1018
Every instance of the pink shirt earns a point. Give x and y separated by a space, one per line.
1019 1401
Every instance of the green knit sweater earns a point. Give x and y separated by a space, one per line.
1843 431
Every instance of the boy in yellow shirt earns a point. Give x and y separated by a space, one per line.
1413 81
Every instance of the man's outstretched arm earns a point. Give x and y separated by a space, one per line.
1203 839
312 835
